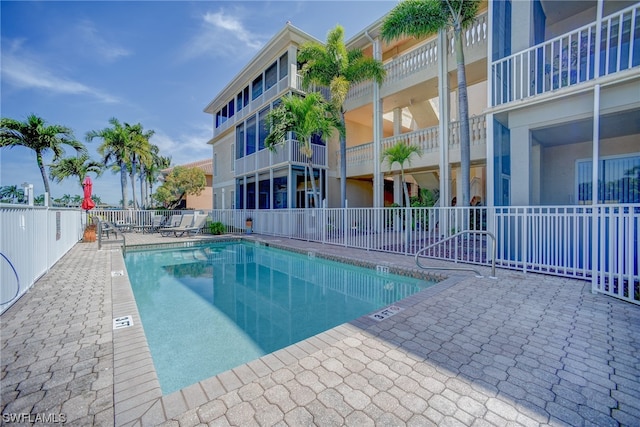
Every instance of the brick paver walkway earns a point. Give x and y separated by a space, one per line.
519 350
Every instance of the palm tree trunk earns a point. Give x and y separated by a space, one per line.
406 191
343 164
45 180
123 185
313 185
133 183
463 108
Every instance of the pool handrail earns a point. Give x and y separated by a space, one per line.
478 274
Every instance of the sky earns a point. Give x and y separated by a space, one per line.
157 63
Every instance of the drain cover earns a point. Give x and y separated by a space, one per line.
117 273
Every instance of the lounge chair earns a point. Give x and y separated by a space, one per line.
192 229
156 223
185 222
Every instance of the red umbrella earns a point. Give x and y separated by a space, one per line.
87 203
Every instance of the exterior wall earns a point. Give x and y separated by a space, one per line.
204 200
558 174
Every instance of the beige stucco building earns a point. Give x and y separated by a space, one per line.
552 86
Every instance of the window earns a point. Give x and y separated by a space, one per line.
271 76
218 119
618 180
251 135
256 88
245 96
284 66
239 102
263 128
240 141
280 192
264 196
231 108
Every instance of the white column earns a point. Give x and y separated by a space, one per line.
491 184
397 121
378 181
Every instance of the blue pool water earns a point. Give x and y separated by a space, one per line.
211 308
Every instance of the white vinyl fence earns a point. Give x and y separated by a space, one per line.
557 240
32 239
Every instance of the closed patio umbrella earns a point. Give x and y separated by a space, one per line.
87 203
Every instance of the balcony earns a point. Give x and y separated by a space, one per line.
360 158
286 153
423 58
258 103
570 59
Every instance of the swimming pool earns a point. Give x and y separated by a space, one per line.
208 309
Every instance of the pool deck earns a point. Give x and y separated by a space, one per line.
521 349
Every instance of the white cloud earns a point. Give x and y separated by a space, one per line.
27 73
186 148
96 45
222 34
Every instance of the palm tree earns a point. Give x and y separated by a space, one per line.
114 149
306 117
419 18
152 171
400 153
78 166
35 134
139 152
11 193
337 68
143 176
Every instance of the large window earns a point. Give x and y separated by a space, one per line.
251 135
271 76
256 87
618 179
240 141
284 66
263 128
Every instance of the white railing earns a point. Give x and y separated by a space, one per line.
32 239
422 58
426 139
256 104
288 151
557 240
569 59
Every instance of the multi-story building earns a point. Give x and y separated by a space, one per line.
552 86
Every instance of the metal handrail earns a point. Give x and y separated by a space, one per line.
493 253
115 229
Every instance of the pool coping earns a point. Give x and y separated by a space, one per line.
137 394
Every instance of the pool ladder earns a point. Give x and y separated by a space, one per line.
454 236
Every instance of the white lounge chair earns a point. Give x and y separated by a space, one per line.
185 221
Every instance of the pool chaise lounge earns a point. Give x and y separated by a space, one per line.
193 227
185 221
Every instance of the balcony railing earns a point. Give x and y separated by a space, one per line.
569 59
422 58
258 103
287 152
426 139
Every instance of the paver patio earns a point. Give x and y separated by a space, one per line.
522 349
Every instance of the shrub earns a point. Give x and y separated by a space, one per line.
216 228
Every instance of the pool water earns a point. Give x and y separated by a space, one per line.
208 309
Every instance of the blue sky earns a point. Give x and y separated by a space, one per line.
159 63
